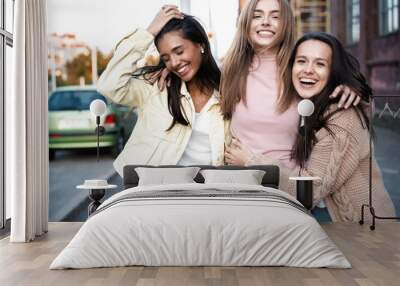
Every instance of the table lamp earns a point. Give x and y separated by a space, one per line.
304 185
98 108
96 187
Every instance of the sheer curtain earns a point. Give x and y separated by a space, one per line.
27 132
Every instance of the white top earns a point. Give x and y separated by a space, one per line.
198 149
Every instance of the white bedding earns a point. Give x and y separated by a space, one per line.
206 230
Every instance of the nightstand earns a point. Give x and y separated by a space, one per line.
97 189
304 190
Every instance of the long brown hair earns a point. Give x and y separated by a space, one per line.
208 76
345 70
241 53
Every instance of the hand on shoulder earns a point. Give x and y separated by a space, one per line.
348 97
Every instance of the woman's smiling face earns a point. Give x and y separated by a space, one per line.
181 56
311 68
265 23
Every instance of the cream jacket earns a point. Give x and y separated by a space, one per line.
150 143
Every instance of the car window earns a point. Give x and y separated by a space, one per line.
73 99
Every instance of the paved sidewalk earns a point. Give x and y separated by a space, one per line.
69 169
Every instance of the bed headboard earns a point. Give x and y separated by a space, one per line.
270 179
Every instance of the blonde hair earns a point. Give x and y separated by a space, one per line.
241 53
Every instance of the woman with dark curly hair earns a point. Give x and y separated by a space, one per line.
183 124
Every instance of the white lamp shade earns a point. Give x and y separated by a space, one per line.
305 107
98 107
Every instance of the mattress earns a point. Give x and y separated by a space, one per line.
201 225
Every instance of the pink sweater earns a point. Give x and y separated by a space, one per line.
258 125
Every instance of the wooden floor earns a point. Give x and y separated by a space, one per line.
374 255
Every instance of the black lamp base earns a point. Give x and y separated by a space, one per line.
304 190
95 195
304 193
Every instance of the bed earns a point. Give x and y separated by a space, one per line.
201 224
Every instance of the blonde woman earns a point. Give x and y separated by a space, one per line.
262 117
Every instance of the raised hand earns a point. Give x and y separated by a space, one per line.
163 80
166 13
161 77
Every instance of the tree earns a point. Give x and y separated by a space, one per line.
81 66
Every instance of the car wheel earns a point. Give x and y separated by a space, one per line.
52 154
119 146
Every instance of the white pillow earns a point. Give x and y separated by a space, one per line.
249 177
165 176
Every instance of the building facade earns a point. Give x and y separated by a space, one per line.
370 31
311 16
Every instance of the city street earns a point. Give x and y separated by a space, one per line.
69 169
388 156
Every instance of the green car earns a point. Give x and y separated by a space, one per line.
72 126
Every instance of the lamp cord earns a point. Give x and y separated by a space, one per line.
98 136
370 148
305 142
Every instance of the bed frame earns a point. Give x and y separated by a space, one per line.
270 179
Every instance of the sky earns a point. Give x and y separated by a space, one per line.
102 23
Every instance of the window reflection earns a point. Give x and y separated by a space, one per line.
353 21
8 81
389 16
9 15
